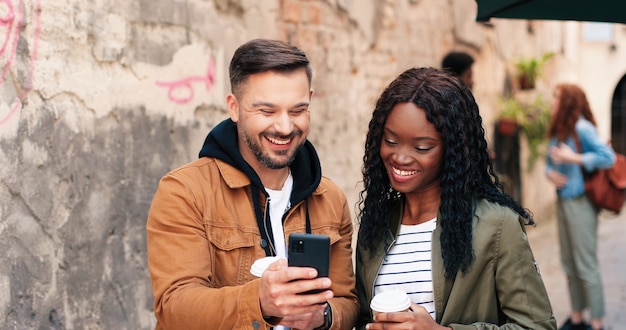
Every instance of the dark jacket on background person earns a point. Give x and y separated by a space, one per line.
213 204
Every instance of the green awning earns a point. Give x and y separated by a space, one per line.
613 11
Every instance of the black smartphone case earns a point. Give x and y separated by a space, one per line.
309 250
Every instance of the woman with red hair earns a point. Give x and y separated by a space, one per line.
576 146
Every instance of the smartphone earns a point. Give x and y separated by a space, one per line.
310 250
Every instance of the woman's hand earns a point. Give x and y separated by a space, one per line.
558 179
417 318
564 154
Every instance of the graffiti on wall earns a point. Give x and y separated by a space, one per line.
12 20
182 91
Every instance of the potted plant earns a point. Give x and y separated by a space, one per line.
531 120
510 115
535 128
529 69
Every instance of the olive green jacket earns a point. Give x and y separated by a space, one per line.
502 290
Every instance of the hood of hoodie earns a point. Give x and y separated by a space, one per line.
221 143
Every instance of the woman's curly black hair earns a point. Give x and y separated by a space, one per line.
467 173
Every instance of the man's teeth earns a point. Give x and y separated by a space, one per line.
278 141
402 172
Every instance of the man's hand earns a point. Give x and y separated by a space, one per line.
278 295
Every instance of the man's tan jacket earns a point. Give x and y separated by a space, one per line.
202 238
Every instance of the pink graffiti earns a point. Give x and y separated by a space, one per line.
12 22
186 84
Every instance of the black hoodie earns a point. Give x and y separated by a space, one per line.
221 143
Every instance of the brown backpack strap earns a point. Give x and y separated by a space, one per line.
577 141
579 148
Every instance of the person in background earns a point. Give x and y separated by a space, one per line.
460 63
572 120
434 221
258 179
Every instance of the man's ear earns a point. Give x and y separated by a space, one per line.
233 107
310 98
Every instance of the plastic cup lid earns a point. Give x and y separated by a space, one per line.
390 301
259 265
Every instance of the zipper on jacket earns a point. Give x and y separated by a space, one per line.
270 237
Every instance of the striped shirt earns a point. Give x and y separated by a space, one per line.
407 266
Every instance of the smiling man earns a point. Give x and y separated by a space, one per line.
257 181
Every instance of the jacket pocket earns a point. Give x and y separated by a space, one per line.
233 250
332 233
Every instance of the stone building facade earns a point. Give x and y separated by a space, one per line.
101 98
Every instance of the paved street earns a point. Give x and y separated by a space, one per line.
612 249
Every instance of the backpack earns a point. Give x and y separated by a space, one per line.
605 188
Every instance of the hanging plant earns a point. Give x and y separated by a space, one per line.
529 69
532 120
510 116
535 128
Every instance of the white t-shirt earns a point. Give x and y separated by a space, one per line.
279 204
407 265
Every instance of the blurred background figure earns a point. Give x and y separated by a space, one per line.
460 63
576 145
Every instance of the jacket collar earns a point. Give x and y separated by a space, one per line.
235 178
221 144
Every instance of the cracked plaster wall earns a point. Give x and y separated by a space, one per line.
101 98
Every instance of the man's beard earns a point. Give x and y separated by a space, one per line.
266 159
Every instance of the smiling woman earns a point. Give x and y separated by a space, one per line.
411 151
433 214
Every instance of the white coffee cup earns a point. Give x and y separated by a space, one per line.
390 301
260 265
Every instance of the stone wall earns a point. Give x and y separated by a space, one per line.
101 98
